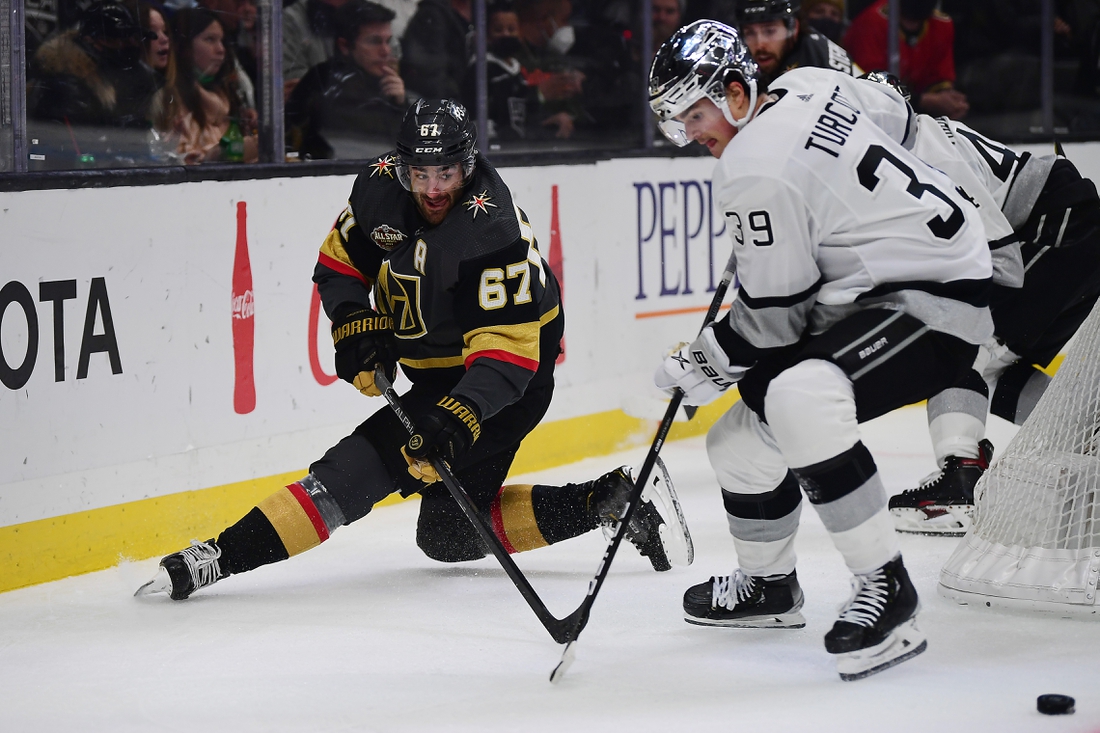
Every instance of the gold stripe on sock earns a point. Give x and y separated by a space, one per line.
517 513
290 521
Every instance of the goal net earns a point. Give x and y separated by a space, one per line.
1035 540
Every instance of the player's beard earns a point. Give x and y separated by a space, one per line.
436 208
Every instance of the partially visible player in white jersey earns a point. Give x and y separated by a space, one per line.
1054 216
864 278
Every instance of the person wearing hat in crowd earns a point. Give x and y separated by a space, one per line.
92 76
826 17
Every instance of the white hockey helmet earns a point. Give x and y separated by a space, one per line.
699 60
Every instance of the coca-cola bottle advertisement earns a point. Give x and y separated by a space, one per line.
244 322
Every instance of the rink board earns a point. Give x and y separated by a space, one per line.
126 425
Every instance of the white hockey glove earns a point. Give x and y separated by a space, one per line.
701 370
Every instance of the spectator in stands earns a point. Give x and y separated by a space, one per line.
309 30
356 95
161 58
997 56
210 120
547 39
826 17
667 18
247 37
777 41
89 93
926 47
158 45
511 100
608 50
226 13
94 75
437 47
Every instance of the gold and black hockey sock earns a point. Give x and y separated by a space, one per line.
527 517
290 521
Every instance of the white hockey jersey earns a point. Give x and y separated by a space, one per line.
934 141
829 215
1015 180
937 145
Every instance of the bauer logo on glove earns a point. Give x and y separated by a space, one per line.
702 371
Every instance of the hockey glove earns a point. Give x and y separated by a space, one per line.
449 429
363 341
702 370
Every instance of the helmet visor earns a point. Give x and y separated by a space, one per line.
421 178
675 132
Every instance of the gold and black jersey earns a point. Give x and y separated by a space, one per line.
472 300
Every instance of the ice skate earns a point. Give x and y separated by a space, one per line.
657 528
746 602
944 503
184 572
877 627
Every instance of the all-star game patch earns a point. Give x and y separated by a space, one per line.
384 165
478 202
387 237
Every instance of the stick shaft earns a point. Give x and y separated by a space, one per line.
581 614
557 628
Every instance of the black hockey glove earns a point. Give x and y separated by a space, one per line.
449 428
363 341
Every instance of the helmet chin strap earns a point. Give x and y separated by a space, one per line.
725 106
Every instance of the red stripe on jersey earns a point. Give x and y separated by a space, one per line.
530 365
335 264
498 523
310 509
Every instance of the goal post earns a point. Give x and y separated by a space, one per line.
1034 543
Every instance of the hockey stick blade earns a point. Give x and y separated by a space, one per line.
567 658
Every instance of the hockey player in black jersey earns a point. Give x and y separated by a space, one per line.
433 267
863 286
779 41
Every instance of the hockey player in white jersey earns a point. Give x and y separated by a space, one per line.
1053 215
864 279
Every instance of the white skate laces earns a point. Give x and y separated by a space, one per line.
202 562
869 595
728 590
930 479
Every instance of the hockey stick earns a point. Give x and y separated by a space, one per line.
581 614
564 630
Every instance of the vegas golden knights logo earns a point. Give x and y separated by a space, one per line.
401 298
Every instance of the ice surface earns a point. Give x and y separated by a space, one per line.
367 634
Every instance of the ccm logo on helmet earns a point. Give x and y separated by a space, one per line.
429 150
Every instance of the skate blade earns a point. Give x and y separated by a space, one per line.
906 642
674 534
160 583
954 522
782 621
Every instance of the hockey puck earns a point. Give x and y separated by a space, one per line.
1055 704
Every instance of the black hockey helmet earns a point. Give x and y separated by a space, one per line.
763 11
890 80
435 132
112 20
699 60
